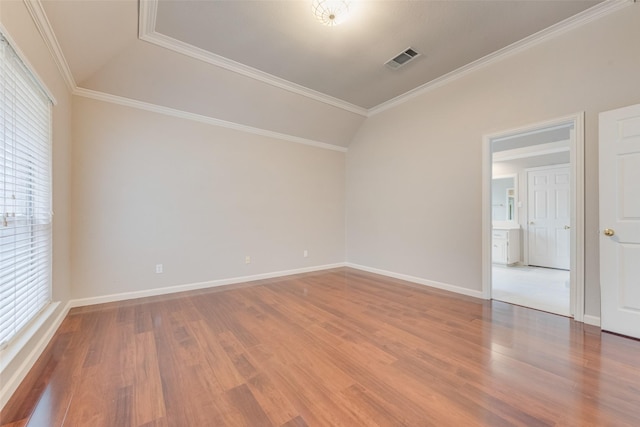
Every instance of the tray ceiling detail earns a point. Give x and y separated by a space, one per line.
281 42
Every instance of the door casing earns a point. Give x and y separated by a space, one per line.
577 204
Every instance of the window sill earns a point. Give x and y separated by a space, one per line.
20 341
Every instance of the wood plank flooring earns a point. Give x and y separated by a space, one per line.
333 348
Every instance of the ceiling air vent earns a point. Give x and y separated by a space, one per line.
402 59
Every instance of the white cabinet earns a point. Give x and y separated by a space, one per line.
505 246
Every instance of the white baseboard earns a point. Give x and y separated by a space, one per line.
10 386
419 280
194 286
591 320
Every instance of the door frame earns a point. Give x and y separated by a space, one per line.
577 204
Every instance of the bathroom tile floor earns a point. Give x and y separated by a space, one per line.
545 289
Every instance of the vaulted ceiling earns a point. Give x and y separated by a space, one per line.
270 65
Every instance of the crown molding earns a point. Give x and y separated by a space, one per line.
44 27
128 102
589 15
147 17
146 32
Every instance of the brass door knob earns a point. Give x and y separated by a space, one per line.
609 232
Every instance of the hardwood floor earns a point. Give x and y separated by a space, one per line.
333 348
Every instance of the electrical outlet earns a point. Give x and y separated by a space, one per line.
159 268
247 259
305 253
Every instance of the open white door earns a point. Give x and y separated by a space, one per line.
620 220
549 217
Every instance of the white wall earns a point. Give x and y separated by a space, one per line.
414 172
150 188
19 26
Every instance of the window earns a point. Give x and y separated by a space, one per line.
25 195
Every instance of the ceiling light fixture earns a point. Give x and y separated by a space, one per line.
330 12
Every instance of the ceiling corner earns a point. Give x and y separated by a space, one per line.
147 14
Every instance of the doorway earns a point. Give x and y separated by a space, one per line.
533 216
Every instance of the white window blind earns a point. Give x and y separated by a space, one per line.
25 195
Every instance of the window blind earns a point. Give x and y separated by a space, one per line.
25 195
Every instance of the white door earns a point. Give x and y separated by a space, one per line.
620 220
549 217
